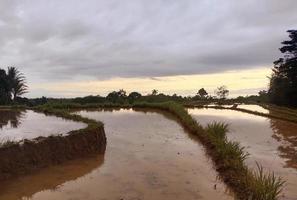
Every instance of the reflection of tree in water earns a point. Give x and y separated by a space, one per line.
286 133
12 117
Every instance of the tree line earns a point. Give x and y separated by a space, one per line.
12 85
283 81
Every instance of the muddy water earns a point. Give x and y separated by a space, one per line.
252 107
148 156
270 142
16 125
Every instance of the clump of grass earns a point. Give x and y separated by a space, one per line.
227 150
266 186
217 129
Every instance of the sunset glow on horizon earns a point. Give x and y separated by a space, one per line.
239 82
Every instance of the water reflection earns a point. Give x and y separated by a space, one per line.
252 107
50 178
270 142
17 125
286 134
11 118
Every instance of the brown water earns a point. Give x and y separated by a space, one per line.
16 125
270 142
148 156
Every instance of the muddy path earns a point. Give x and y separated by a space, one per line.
148 156
270 142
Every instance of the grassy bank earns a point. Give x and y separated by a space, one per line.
17 158
228 156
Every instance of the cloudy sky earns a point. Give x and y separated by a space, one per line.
74 48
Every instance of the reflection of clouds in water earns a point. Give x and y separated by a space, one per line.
252 107
29 125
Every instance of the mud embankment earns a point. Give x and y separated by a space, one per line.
30 155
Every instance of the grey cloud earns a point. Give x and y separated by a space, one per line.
65 40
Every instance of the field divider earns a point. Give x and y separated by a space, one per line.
26 156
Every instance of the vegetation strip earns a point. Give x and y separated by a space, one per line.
23 157
228 156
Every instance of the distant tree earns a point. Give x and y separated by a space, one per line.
262 93
113 96
202 93
134 95
17 82
12 84
283 81
87 99
222 92
117 96
5 94
154 92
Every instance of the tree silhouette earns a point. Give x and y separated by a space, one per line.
134 95
17 82
12 85
283 81
154 92
202 93
222 92
5 94
117 96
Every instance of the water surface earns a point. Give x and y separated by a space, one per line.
270 142
253 107
16 125
148 156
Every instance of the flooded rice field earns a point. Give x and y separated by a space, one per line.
251 107
270 142
16 125
148 156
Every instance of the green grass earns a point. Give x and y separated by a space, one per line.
266 185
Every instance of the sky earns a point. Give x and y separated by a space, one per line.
69 48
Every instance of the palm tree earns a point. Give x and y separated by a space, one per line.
17 82
5 94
